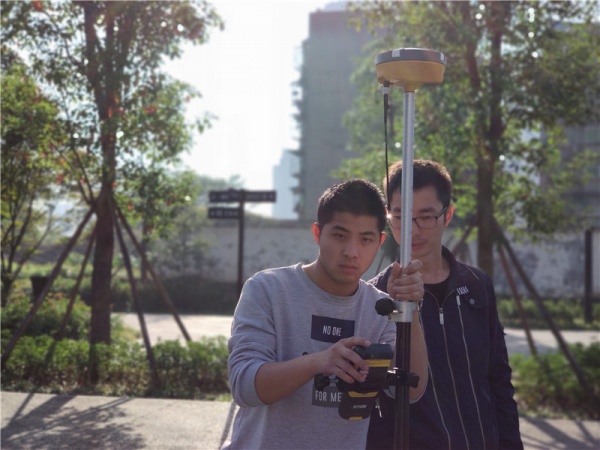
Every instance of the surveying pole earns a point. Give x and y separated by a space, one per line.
408 69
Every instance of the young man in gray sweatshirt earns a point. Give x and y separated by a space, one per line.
296 322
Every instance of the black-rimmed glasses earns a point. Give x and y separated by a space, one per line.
423 222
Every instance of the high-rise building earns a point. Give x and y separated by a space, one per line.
285 184
329 58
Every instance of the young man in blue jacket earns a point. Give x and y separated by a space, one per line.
468 402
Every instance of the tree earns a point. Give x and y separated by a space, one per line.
31 131
102 62
514 69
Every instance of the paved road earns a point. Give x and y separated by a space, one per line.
164 326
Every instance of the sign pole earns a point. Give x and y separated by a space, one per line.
240 270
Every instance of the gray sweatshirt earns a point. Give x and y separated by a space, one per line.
281 315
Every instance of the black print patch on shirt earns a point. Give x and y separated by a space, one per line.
329 397
328 329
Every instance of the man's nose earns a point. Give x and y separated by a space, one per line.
416 231
351 249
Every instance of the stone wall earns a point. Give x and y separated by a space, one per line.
556 269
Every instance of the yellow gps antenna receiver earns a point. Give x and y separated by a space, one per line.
408 69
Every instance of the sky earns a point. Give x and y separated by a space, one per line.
245 74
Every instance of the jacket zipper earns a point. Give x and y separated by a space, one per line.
462 326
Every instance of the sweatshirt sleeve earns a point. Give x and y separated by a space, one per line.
252 342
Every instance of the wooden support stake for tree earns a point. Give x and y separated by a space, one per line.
161 289
40 298
75 291
545 313
465 235
517 297
60 333
138 307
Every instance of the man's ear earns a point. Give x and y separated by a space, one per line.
316 231
448 215
382 239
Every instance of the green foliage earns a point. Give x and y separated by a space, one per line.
517 72
567 314
547 386
32 169
102 65
48 319
39 363
101 62
195 368
190 294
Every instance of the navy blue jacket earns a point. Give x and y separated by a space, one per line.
468 403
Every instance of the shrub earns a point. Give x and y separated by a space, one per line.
566 314
40 364
193 370
547 386
48 319
190 295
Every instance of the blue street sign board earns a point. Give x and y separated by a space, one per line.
260 196
223 213
224 196
234 195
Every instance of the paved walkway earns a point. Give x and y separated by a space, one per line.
164 326
52 422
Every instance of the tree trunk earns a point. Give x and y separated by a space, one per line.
100 297
485 214
104 82
7 282
490 150
144 247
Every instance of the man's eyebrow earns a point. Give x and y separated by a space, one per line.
346 230
430 209
339 228
368 233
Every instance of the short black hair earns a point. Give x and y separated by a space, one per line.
425 173
358 197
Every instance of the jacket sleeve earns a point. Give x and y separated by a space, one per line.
499 377
380 280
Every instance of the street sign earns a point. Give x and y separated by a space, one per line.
234 195
260 196
223 213
224 196
242 196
